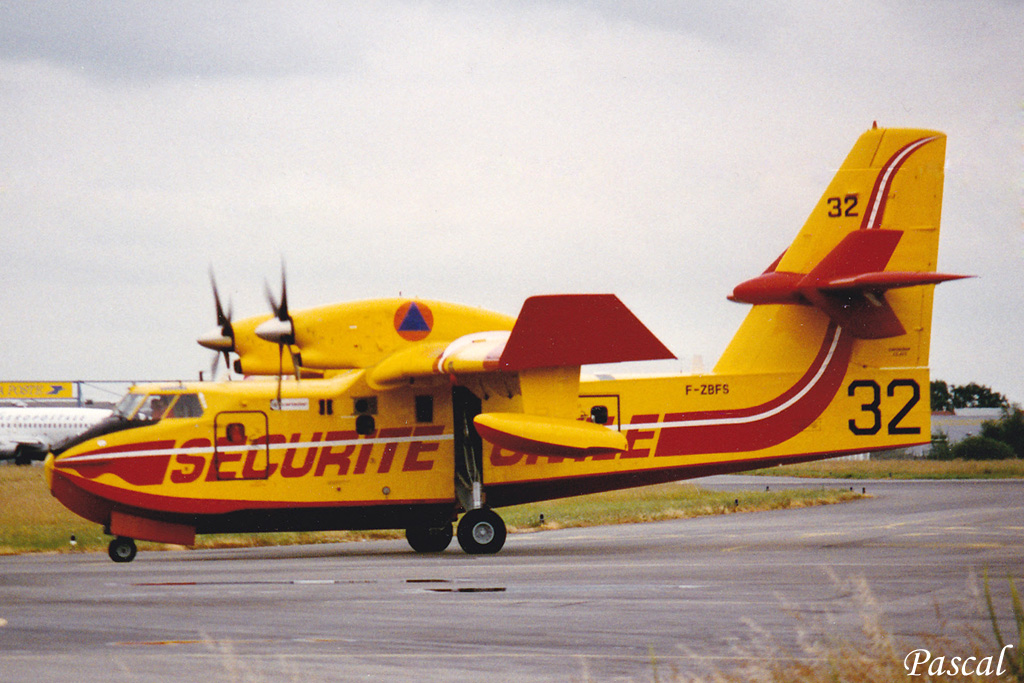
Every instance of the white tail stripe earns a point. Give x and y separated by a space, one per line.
886 179
745 419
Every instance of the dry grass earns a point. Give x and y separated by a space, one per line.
30 518
873 655
902 469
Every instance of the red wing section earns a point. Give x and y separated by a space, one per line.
578 329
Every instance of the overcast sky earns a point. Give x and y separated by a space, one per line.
480 153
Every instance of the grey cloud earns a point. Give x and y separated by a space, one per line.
142 40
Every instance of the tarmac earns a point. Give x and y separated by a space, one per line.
631 602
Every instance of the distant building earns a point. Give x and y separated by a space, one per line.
963 422
959 424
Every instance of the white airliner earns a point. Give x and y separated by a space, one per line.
28 434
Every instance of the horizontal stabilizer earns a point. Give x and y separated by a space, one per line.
548 435
848 285
578 329
887 280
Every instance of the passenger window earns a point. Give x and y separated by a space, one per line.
424 408
365 425
365 406
236 432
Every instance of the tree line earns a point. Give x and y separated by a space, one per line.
947 397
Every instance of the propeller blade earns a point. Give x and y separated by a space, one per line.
282 312
280 329
222 338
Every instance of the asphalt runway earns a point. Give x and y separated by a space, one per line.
634 602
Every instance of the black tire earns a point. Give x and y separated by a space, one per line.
24 455
481 532
426 539
122 549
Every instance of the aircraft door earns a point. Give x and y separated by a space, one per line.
469 450
241 447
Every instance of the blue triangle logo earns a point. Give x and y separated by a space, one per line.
414 321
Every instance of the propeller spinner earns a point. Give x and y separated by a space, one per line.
280 329
222 338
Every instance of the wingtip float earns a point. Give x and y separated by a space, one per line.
425 410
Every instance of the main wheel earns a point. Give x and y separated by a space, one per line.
122 549
429 539
481 532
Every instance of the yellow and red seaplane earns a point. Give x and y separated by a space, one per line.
406 413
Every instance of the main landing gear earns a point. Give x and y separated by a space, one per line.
480 532
122 549
429 539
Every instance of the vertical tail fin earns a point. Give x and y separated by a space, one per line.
864 260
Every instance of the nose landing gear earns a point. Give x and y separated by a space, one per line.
122 549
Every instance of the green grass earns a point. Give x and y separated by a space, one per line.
664 501
31 520
902 469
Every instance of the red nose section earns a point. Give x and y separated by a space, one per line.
82 503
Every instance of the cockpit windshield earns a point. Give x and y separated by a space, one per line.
141 410
127 406
156 406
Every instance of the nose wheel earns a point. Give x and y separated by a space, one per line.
481 532
122 549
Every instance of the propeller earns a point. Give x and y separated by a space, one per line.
280 329
222 338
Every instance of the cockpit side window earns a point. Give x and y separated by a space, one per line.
155 407
187 405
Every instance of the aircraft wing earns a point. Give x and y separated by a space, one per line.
555 331
9 445
552 337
